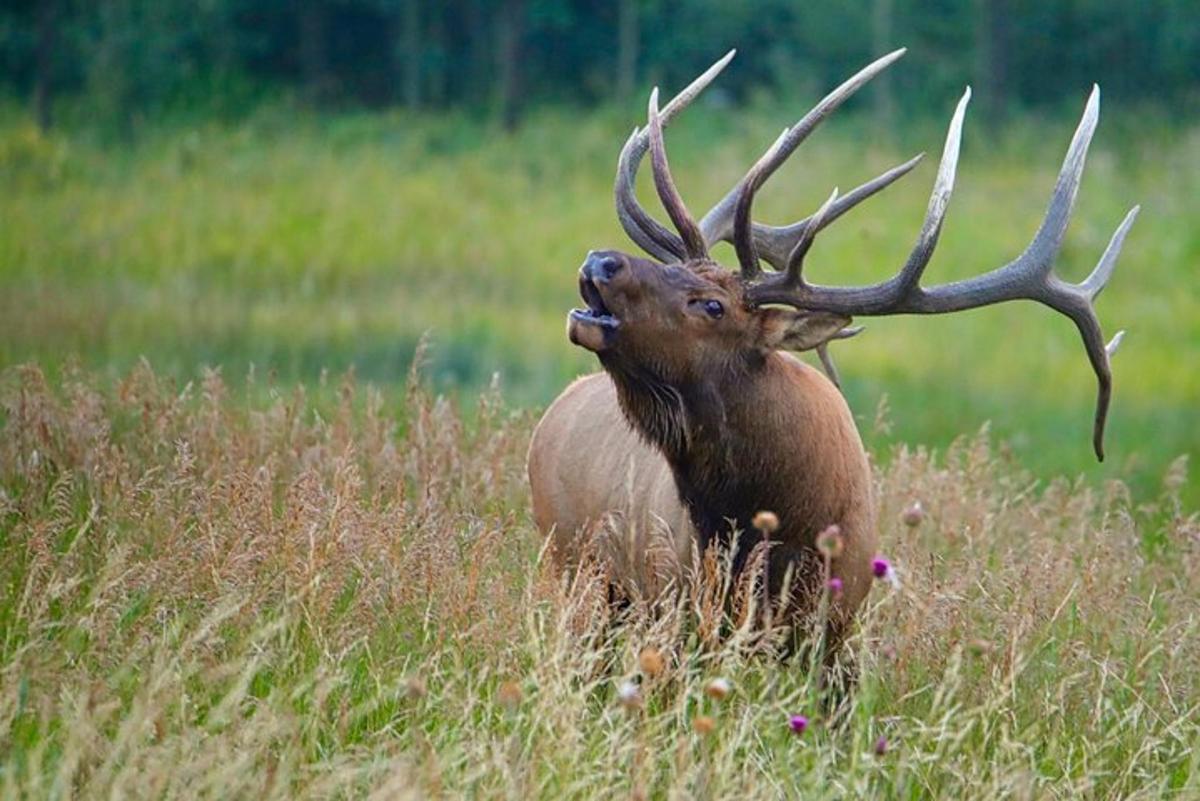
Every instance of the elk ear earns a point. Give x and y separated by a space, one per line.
789 329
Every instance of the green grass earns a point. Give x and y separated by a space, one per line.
207 592
299 244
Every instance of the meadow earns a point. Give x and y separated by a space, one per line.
300 244
210 597
257 540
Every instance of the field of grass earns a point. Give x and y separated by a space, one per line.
207 593
301 244
303 573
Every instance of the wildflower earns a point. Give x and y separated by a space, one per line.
509 695
718 689
798 724
703 724
766 521
629 695
830 542
835 587
881 746
882 569
913 514
650 661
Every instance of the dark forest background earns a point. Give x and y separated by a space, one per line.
120 62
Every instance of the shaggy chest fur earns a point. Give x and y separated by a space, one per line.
732 453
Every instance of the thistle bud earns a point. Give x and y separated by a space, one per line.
765 521
629 695
830 542
415 689
913 514
703 724
509 695
718 689
650 661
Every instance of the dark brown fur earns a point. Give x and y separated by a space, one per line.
742 427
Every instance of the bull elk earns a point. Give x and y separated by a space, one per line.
701 418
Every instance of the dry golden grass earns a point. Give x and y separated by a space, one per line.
208 592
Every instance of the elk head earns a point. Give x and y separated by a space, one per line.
682 319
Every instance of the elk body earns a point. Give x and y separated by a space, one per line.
701 418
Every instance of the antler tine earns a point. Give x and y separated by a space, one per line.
795 262
643 229
689 231
775 243
827 359
1030 276
743 239
717 224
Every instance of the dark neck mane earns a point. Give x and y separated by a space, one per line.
707 431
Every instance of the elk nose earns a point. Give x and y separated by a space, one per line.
601 267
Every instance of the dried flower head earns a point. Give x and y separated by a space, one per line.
798 724
830 542
835 587
718 689
703 724
766 521
913 514
509 695
629 695
650 661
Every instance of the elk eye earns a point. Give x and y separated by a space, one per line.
714 308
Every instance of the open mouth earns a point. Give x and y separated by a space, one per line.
595 312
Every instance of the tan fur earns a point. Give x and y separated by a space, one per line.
697 424
586 462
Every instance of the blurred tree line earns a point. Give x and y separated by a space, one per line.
121 61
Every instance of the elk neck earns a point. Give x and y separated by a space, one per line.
743 440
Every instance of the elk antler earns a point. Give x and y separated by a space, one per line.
1030 276
772 243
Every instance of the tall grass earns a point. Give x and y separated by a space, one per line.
301 244
216 591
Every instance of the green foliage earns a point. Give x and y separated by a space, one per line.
299 243
118 63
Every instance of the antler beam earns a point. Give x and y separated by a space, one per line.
1030 276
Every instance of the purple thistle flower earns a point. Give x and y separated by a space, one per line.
798 723
835 586
881 746
884 571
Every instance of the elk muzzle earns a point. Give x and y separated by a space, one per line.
594 326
